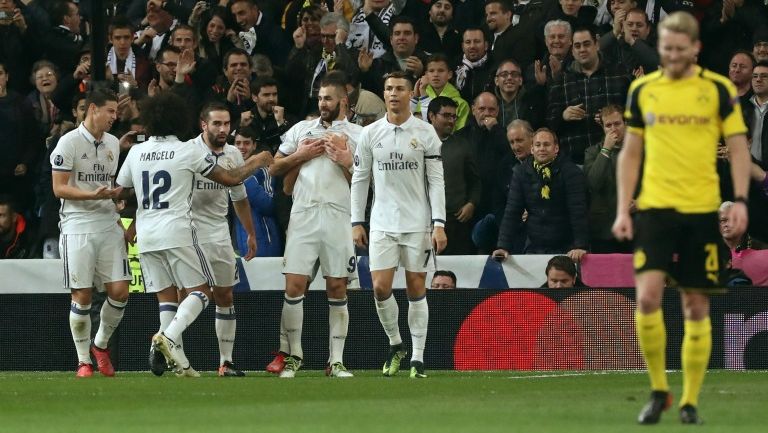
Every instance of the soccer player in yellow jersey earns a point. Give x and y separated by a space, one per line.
675 118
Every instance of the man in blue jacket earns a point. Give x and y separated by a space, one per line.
260 188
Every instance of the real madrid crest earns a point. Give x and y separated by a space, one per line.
414 144
110 156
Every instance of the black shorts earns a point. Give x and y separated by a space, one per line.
661 235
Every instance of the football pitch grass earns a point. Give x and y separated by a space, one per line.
447 401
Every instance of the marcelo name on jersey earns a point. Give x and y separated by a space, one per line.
157 156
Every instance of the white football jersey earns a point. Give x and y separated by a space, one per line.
408 186
162 171
320 181
91 164
209 199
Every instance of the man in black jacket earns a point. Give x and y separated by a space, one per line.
258 32
551 188
462 187
17 239
511 41
490 142
401 55
473 72
64 42
439 34
267 117
310 60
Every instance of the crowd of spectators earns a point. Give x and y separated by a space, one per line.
526 95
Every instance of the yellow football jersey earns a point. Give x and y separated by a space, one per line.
681 122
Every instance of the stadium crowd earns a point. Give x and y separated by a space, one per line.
526 96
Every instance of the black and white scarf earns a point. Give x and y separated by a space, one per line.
463 69
130 63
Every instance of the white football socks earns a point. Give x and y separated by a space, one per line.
338 323
80 325
418 321
189 309
389 313
167 313
293 319
226 325
111 315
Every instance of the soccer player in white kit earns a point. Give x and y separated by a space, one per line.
319 153
162 172
210 203
403 155
92 243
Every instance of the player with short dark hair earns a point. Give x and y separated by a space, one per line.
92 246
317 155
402 155
210 205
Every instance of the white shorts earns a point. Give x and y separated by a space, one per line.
413 251
94 257
182 267
320 233
221 257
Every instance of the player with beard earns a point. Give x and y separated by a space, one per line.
210 203
318 155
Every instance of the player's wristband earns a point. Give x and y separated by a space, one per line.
357 224
741 199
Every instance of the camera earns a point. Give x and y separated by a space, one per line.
124 88
5 18
140 138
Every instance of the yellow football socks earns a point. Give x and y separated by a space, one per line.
652 337
697 345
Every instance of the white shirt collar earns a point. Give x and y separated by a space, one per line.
88 136
408 122
319 122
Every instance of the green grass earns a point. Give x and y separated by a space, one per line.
445 402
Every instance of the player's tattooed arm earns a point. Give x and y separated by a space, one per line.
237 175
